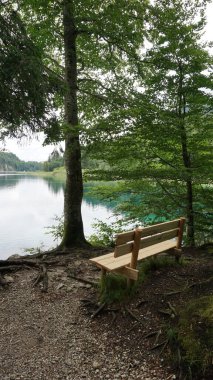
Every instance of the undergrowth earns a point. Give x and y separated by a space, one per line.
191 340
113 287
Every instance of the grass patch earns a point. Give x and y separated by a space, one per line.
113 289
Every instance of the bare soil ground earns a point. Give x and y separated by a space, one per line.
51 335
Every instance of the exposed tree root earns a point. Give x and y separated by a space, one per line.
114 316
131 328
170 312
150 334
172 309
10 268
164 343
132 314
18 262
200 283
187 287
3 282
42 278
165 312
157 337
71 275
98 311
142 302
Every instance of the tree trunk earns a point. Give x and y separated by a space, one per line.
73 225
190 232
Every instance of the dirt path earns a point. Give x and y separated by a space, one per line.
50 336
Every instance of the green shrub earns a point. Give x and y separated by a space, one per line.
105 235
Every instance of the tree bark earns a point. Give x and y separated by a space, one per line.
190 231
73 224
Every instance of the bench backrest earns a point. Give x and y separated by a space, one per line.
126 241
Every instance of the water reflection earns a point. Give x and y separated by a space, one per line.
9 180
28 204
55 186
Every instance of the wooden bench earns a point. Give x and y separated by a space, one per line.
139 244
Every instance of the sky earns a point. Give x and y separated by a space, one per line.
33 150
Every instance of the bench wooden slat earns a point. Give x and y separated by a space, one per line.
124 237
146 242
123 249
120 262
161 227
102 257
155 249
128 272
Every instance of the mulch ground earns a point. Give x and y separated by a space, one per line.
58 335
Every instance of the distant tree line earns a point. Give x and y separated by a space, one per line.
10 162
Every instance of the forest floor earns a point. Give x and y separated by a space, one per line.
56 335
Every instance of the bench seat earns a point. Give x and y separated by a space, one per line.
110 263
139 244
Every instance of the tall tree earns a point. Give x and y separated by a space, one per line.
93 40
167 134
180 87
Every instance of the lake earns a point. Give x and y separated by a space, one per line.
28 204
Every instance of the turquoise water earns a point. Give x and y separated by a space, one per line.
29 204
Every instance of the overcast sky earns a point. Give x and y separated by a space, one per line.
34 150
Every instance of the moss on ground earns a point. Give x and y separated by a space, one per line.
195 337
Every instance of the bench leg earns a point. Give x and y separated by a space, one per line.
103 273
178 253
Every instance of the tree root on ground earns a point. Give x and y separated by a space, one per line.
187 287
10 268
98 311
150 334
42 278
170 312
132 314
18 262
3 282
88 282
158 345
142 302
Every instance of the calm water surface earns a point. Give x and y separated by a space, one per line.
28 205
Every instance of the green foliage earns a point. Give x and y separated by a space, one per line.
57 229
27 86
90 163
55 160
161 145
34 250
105 235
